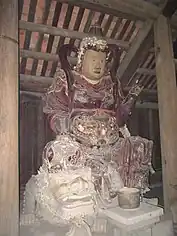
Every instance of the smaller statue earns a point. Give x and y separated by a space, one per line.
62 193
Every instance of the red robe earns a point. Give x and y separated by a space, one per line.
132 154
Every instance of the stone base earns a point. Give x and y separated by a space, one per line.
162 228
134 219
144 221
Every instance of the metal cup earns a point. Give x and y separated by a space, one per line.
129 198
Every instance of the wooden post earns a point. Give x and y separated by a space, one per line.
167 99
9 173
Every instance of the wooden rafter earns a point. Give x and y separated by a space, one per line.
46 29
138 50
130 9
133 7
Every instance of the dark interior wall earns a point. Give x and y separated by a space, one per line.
34 134
145 123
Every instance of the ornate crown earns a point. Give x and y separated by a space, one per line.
95 42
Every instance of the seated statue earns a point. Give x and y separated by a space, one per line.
87 104
94 154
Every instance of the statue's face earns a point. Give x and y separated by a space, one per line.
72 185
93 66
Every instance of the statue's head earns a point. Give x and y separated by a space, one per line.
93 55
93 65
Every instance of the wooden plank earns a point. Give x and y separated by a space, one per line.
145 71
130 9
89 21
124 29
167 98
38 55
41 36
31 16
9 169
77 24
116 27
62 39
55 20
138 50
108 24
41 83
46 29
34 83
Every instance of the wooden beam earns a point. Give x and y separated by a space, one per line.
141 46
138 50
145 71
72 60
130 9
33 83
38 55
56 31
167 98
9 169
140 105
147 105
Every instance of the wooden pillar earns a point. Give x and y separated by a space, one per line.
9 172
167 99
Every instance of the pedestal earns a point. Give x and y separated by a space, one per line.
128 222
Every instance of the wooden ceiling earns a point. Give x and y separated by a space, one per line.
47 24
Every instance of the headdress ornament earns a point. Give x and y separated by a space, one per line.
95 42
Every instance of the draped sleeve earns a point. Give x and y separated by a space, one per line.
56 103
